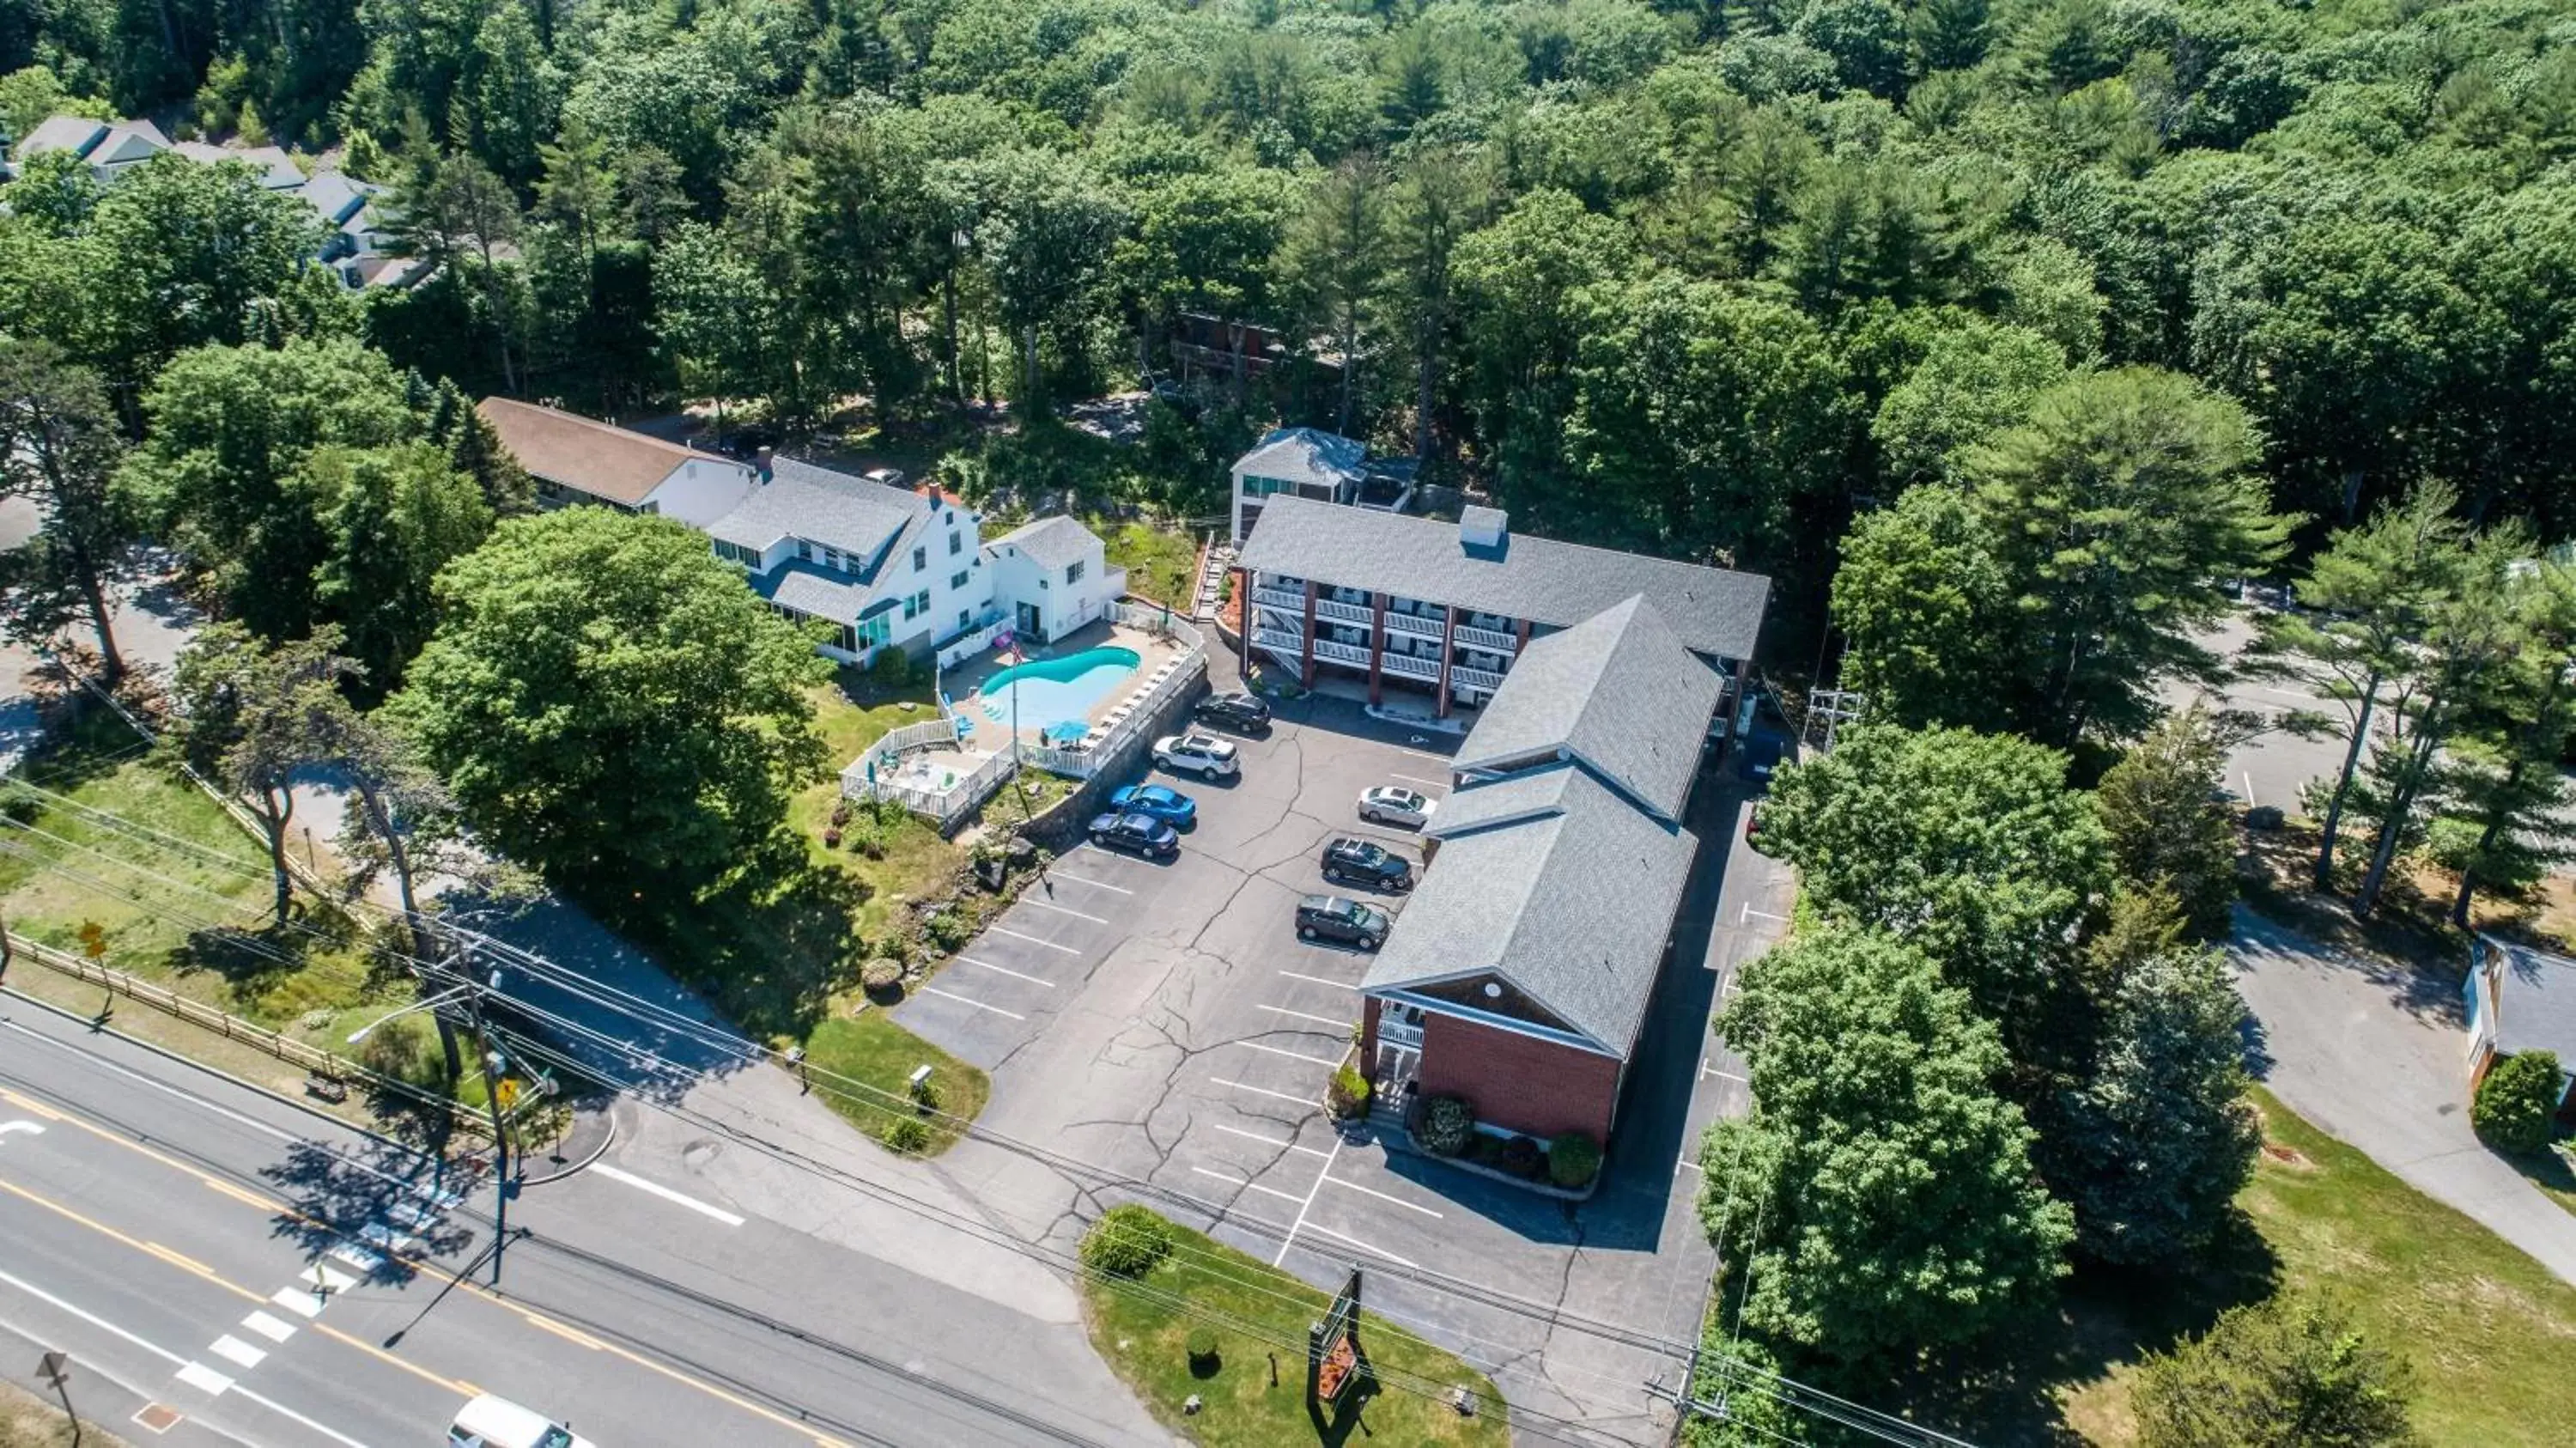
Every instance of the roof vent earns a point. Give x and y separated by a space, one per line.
1482 527
765 462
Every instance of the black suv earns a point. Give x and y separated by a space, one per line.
1244 713
1330 917
1365 862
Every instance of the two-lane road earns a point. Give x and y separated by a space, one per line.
244 1262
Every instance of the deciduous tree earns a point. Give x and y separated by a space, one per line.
249 714
59 449
2167 830
2290 1372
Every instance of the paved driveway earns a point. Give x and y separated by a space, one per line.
1162 1021
2377 1056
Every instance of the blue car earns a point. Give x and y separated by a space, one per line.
1158 800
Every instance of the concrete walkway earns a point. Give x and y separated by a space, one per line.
2376 1056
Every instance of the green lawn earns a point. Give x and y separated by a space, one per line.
871 1048
1144 1341
1161 564
2490 1332
181 892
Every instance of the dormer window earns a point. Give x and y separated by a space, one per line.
804 550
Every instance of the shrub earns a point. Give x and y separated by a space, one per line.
1447 1123
832 838
1127 1241
1349 1094
1573 1159
2516 1100
406 1050
905 1136
1522 1157
948 930
1201 1344
840 814
925 1093
880 976
891 669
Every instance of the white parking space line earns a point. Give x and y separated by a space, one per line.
1053 878
1752 914
1291 1239
1000 970
1292 1055
665 1193
1686 1164
1349 1240
1261 1091
1418 754
1049 905
1272 1141
1418 779
970 1001
233 1349
1031 939
1707 1071
2248 777
1381 1196
1318 980
205 1380
1336 1022
1246 1182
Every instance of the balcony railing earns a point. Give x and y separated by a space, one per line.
1341 653
1395 1033
1463 677
1340 612
1410 666
1294 602
1487 639
1414 624
1271 638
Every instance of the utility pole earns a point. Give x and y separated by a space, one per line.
493 1061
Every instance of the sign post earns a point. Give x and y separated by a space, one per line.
93 942
56 1369
1335 1362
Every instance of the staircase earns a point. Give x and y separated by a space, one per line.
1215 560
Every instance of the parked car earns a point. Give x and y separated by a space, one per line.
1245 713
490 1422
891 477
1137 834
1761 755
1204 755
1366 862
1330 917
1158 801
1389 804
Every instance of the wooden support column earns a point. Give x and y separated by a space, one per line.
1448 644
1306 661
1377 649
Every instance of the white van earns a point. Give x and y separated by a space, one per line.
490 1422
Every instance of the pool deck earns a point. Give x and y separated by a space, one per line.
965 682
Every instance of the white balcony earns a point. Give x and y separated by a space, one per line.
1415 624
1487 639
1410 666
1391 1032
1294 602
1463 677
1351 654
1338 612
1271 638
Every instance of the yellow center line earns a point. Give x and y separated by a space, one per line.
23 1104
269 1204
182 1261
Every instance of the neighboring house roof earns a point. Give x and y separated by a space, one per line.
2535 1000
583 453
1618 691
826 507
392 271
1305 455
1712 610
1050 542
127 142
1570 899
277 172
337 197
76 134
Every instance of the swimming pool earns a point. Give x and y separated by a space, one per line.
1056 691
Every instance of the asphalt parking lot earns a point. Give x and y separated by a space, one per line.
1163 1021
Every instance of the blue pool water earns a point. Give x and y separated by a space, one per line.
1056 691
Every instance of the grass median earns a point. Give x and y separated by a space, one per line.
1166 1284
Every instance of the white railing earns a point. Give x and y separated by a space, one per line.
1464 677
1415 624
1271 638
1413 667
967 646
1340 612
1280 598
944 808
912 738
1341 653
1488 640
1105 746
1391 1033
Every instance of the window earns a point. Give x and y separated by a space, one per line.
873 632
920 559
831 557
957 579
961 619
846 640
1073 573
804 550
908 610
956 541
920 602
736 553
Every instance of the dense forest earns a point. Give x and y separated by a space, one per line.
1701 278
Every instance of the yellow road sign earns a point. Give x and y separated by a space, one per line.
507 1092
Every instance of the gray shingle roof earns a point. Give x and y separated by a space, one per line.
1572 907
1483 803
338 197
2535 1001
1305 455
1051 542
831 508
76 134
1714 611
1620 692
811 589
